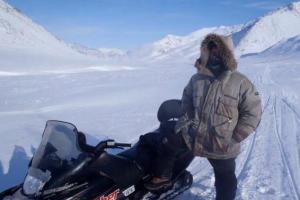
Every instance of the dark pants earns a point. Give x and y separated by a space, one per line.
225 179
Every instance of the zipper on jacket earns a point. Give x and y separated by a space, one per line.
202 108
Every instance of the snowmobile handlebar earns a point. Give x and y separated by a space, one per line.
109 144
123 145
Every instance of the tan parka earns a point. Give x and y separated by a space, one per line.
220 111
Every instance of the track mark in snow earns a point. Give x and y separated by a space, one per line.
203 181
293 183
291 108
251 145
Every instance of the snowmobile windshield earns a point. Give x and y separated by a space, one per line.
59 151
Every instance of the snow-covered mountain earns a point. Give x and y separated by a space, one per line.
252 37
268 30
289 47
184 47
25 45
102 53
19 32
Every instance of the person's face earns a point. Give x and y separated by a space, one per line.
214 54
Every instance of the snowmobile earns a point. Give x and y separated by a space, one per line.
66 167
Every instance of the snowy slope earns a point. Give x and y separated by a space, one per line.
172 46
252 37
20 34
24 42
268 30
285 50
289 47
19 31
102 53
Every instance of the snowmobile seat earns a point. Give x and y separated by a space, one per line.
114 166
131 153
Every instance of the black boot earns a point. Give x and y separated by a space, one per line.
157 183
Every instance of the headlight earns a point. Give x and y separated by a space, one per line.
32 185
35 180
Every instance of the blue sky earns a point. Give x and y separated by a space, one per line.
127 24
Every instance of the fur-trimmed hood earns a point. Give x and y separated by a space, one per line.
226 47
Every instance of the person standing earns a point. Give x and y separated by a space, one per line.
222 108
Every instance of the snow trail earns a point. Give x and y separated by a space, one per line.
284 156
250 148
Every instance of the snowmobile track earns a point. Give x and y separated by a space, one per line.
251 146
291 108
282 152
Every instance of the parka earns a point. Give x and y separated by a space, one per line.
220 111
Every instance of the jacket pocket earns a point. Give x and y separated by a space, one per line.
220 142
224 121
225 117
227 106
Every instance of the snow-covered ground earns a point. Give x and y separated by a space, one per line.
117 104
122 104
